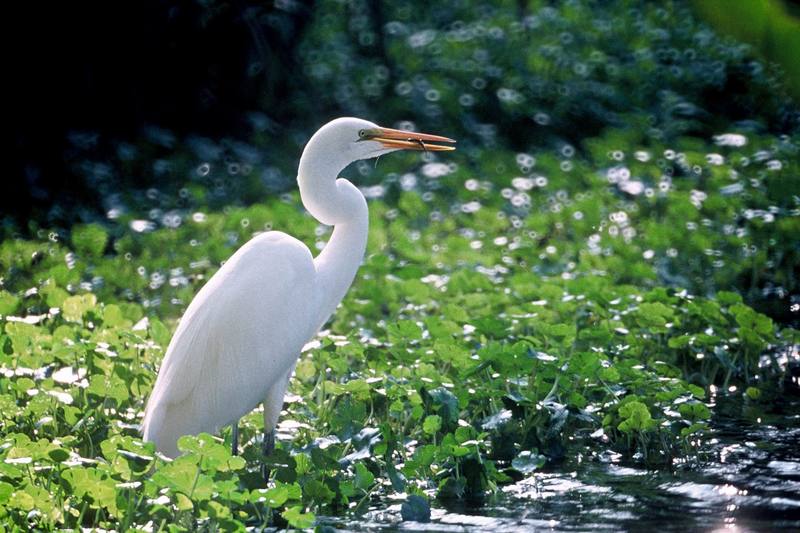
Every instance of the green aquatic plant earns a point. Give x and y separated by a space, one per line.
600 262
484 377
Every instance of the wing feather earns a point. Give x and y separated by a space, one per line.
241 333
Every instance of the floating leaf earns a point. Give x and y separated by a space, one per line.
75 307
297 518
432 424
636 417
416 509
364 478
527 461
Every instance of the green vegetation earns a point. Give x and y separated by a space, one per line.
519 301
772 26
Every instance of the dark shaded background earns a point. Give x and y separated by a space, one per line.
116 67
88 77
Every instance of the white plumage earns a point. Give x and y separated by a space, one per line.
217 368
240 337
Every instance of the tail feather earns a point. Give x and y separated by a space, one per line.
164 436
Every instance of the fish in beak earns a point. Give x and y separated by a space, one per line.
408 140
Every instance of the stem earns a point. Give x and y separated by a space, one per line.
365 498
196 477
553 389
727 378
80 516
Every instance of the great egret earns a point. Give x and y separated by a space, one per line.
239 340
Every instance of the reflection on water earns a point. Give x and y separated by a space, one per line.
751 481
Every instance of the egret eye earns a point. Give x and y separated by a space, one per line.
362 133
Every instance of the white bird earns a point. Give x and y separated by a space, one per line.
238 342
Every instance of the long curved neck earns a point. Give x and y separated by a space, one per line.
339 203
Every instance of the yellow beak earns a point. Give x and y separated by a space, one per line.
410 140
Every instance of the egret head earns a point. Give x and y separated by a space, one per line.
354 139
336 145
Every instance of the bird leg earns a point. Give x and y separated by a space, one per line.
268 444
235 438
267 447
272 410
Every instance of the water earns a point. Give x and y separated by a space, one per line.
750 481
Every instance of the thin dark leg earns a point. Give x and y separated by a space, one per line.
267 447
235 438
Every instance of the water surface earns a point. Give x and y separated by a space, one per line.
749 481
